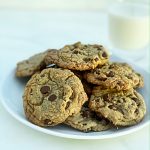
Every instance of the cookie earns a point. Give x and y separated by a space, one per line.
53 95
78 56
87 121
116 76
32 65
122 108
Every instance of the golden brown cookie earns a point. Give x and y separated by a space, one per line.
78 56
53 95
32 65
116 76
123 108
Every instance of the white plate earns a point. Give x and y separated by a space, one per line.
11 91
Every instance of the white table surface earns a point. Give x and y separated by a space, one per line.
21 30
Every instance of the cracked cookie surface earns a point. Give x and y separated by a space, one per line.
116 76
123 108
32 65
78 56
53 95
86 121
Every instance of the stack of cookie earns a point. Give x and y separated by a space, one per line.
78 86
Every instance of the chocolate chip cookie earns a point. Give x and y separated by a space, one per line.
32 65
116 76
78 56
53 95
86 121
122 108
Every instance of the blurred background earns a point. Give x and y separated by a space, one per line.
61 4
42 24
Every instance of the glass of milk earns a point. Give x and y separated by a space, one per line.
129 25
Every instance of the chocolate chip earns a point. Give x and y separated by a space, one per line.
86 114
47 121
45 89
96 59
52 97
111 74
67 105
104 54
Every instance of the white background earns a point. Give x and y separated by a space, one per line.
42 29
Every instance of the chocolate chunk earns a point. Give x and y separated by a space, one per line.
45 89
67 105
111 74
47 121
52 97
104 54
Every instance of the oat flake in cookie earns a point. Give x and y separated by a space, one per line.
32 65
78 56
116 76
123 108
53 95
87 121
